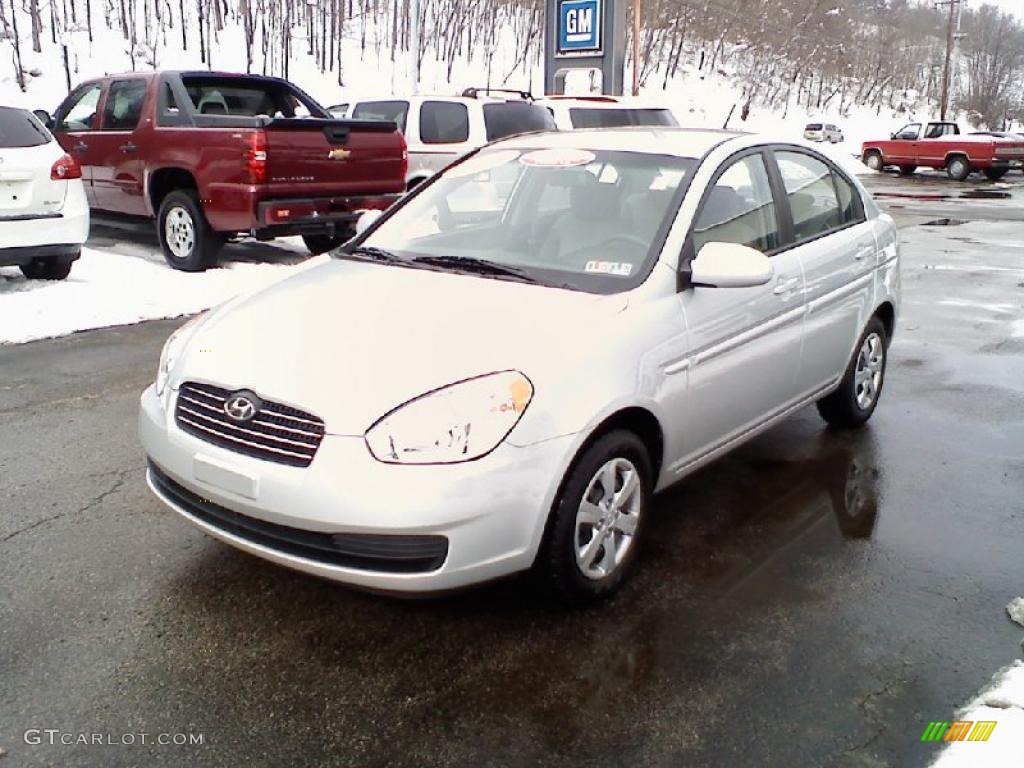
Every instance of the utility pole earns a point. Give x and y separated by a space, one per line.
415 45
954 16
636 47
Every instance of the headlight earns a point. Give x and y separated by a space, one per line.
172 351
460 422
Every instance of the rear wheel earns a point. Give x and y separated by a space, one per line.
318 244
592 537
854 401
907 170
47 269
957 168
873 160
995 174
187 241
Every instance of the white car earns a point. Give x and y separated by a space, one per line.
833 134
459 395
44 216
441 129
576 112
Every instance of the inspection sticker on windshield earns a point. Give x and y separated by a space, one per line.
617 268
557 158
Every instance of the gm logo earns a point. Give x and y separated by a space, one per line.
579 26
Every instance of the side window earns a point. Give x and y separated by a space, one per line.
443 122
395 111
81 115
123 107
740 208
850 205
811 192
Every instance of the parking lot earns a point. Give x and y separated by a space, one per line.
808 600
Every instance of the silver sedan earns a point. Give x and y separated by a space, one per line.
499 372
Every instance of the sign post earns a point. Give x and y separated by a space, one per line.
585 34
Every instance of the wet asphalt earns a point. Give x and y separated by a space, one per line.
815 598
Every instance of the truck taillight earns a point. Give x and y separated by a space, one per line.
405 162
256 158
66 168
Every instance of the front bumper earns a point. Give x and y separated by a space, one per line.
491 512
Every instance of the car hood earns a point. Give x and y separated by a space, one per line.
350 341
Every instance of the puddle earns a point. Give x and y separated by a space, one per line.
944 223
984 194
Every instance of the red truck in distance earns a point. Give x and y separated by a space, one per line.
941 145
213 155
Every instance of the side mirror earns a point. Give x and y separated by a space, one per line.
366 220
730 265
44 117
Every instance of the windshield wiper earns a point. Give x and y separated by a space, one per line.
373 254
475 265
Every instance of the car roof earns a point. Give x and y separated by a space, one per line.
420 97
681 142
602 102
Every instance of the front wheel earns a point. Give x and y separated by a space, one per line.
873 160
187 241
857 396
597 519
958 168
995 174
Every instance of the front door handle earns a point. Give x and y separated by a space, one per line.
129 147
80 147
784 286
863 253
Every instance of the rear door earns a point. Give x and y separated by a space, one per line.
117 174
75 124
27 154
837 251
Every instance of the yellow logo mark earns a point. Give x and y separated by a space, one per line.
338 154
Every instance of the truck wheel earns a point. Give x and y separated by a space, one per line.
873 160
907 170
185 236
958 168
47 269
995 174
318 244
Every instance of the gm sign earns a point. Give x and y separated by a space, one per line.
579 27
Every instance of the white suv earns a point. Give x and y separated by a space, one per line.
833 134
440 129
575 112
44 216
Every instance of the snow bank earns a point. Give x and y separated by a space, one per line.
107 289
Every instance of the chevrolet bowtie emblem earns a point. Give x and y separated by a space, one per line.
338 154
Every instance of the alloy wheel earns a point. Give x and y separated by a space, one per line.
179 232
607 518
867 376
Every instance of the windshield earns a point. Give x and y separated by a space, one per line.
583 219
583 117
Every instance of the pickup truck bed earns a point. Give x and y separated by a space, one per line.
213 155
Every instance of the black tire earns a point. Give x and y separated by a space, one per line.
958 168
47 269
995 174
907 170
318 244
841 408
557 560
873 160
189 253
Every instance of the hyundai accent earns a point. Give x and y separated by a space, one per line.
499 372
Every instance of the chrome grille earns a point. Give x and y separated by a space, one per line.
277 432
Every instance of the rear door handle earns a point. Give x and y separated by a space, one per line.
129 147
785 286
80 147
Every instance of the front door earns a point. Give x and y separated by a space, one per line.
117 177
745 342
75 124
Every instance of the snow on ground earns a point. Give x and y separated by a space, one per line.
107 289
1015 610
1001 701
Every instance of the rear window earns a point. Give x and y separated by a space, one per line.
393 111
813 127
582 117
20 128
511 117
244 97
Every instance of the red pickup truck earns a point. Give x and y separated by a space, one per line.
213 155
941 145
